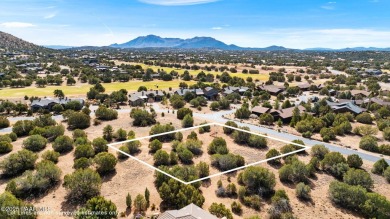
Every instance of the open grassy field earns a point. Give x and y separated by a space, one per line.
82 89
261 76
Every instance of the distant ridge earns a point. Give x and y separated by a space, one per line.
10 43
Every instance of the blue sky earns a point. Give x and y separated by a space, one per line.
249 23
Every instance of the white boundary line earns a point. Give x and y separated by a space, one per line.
112 145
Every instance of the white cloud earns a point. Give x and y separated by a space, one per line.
329 6
16 25
176 2
51 15
216 28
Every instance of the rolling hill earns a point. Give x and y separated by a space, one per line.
10 43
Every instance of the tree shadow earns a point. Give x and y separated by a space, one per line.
108 176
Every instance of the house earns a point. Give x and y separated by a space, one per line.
362 93
373 72
286 114
191 211
182 91
211 93
139 98
2 75
230 89
48 103
272 89
304 87
380 101
345 107
259 110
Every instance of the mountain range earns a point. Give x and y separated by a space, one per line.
9 42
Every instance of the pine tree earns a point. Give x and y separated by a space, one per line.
147 197
128 201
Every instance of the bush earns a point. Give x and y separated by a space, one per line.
181 113
273 153
177 101
22 127
155 145
158 129
258 179
341 193
4 122
51 156
9 201
266 119
327 134
354 161
294 172
184 154
218 146
331 159
214 106
227 161
122 156
99 145
78 133
133 147
98 204
236 208
105 162
364 118
18 162
161 157
302 191
319 151
241 137
242 113
369 143
256 141
357 177
13 136
380 166
104 113
188 121
84 151
120 135
82 185
386 133
386 174
79 120
227 130
63 144
195 146
5 147
384 149
178 136
220 211
82 163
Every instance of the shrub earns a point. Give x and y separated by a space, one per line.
122 156
302 191
99 145
158 129
184 154
155 145
357 177
220 211
18 162
256 141
82 163
380 166
369 143
4 122
9 201
79 120
236 208
242 113
84 151
105 162
384 149
214 106
241 137
22 127
82 185
273 153
364 118
195 146
203 169
227 130
266 119
103 206
227 161
104 113
178 136
133 147
327 134
161 157
386 174
331 159
78 133
177 101
354 161
63 144
188 121
218 146
5 147
258 179
319 151
294 172
51 156
181 113
13 136
120 135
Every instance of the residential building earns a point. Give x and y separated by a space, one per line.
191 211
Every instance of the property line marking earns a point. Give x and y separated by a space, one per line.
112 145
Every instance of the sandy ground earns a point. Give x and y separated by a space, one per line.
133 177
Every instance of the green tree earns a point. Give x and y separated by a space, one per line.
220 211
147 197
128 201
99 145
273 153
161 157
106 209
35 143
177 101
79 120
84 151
105 162
266 119
140 203
302 191
354 161
188 121
369 143
181 113
51 156
155 145
356 177
258 179
18 162
62 144
380 166
218 146
319 151
82 185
